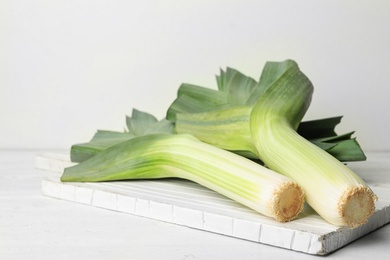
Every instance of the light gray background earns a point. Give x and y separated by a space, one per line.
70 67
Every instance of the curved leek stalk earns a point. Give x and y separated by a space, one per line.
333 190
184 156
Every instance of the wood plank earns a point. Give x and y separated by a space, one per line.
188 204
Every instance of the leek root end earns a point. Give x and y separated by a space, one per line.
356 205
289 202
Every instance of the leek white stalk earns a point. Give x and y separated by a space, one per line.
184 156
332 189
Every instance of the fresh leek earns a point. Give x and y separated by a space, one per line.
165 155
332 189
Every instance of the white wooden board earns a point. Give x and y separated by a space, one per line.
188 204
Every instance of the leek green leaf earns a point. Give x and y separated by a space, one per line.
221 117
139 124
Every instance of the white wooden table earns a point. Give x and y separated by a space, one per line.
34 226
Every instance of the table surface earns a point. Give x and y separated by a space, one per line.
33 226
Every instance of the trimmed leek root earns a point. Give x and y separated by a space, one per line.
163 156
332 189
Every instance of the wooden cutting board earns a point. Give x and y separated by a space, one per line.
188 204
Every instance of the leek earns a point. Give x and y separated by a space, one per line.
332 189
162 155
260 120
